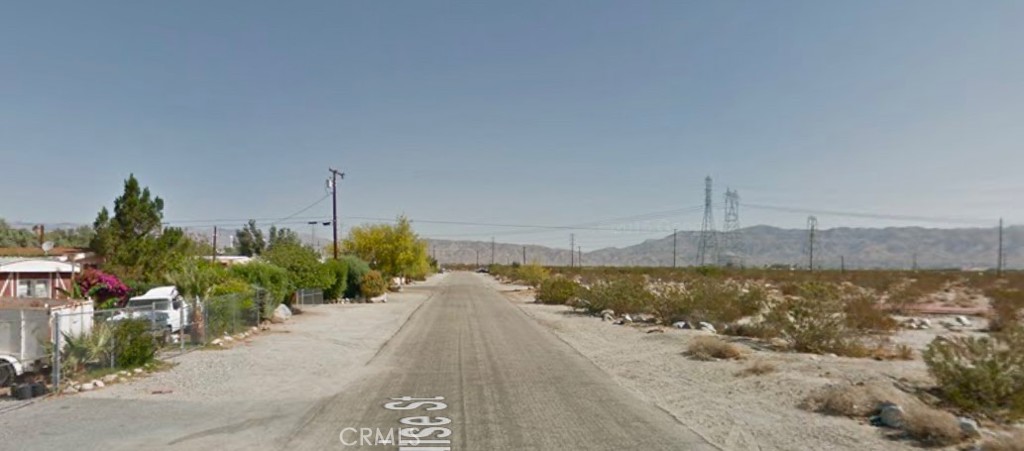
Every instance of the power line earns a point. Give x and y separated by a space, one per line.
865 215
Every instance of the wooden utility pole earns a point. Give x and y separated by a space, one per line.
524 255
492 250
842 264
214 259
572 246
579 259
675 232
335 175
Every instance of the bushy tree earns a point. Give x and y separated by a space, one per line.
393 249
282 237
373 284
302 263
250 240
12 237
132 241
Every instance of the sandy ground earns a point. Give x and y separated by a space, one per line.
734 412
240 391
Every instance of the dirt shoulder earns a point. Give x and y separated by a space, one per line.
735 412
251 395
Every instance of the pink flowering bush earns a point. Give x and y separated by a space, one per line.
106 289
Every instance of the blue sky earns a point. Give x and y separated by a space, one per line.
526 112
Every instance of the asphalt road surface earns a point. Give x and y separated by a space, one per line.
477 374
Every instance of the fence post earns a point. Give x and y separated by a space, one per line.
181 326
56 351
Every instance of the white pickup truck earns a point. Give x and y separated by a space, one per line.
163 306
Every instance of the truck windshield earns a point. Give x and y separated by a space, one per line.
158 304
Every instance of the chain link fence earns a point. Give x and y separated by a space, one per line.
126 338
309 297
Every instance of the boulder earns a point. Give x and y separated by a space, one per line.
88 386
969 427
98 384
963 321
707 327
109 379
681 325
70 391
891 415
381 299
626 318
281 314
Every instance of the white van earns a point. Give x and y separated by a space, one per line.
164 306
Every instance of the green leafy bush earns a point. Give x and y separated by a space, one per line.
133 343
1007 304
864 314
339 274
373 284
557 290
356 270
981 374
705 299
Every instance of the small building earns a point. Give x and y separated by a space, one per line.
41 278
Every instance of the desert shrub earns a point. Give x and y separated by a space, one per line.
864 314
1007 304
710 348
532 274
843 400
339 276
133 344
981 374
758 368
932 427
373 284
705 299
814 321
623 295
557 290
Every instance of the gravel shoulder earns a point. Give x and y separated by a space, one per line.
734 412
252 395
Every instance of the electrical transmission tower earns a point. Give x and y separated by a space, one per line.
812 226
707 247
732 244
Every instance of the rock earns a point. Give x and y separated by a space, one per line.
98 384
86 387
254 329
607 312
891 415
969 427
122 380
382 299
607 316
963 321
110 378
627 318
644 318
138 370
217 342
619 322
228 338
831 355
69 390
281 314
655 330
924 323
707 327
681 325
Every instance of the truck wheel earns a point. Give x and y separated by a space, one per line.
6 373
39 389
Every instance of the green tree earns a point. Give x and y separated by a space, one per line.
71 237
283 236
302 263
12 237
339 274
394 250
132 241
357 268
250 240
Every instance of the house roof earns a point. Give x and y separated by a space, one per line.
25 265
38 252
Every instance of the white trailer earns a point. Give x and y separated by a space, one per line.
27 330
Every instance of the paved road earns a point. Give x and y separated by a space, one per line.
506 382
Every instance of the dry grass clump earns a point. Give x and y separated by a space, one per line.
758 368
711 348
932 427
843 401
1013 441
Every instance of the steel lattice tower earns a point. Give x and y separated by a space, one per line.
732 243
707 248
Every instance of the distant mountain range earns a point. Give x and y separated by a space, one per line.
895 247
